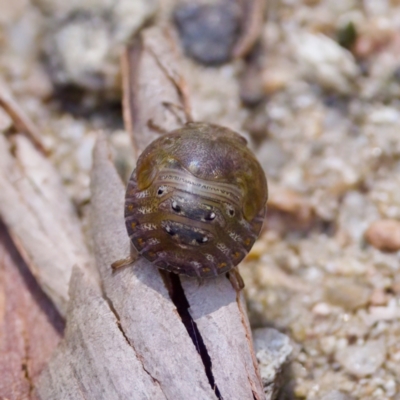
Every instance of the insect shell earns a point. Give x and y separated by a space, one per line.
195 203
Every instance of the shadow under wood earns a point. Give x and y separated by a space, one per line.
286 383
41 299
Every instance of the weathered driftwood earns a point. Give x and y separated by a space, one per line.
95 361
40 218
30 327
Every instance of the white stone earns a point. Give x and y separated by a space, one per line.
325 61
362 360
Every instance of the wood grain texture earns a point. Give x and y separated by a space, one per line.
220 315
40 218
95 360
30 326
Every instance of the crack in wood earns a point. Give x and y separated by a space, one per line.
177 294
25 361
119 326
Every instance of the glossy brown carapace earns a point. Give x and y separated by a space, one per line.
196 201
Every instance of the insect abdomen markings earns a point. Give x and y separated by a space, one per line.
188 226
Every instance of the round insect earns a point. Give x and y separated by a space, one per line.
195 203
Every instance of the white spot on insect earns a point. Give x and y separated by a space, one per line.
175 206
144 210
148 227
142 195
204 239
223 248
210 257
168 228
153 241
234 236
195 264
212 215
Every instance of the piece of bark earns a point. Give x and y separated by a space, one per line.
95 359
140 322
30 327
220 314
155 94
133 340
138 295
40 217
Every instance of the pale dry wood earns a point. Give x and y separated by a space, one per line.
40 218
138 295
95 360
220 315
155 94
30 327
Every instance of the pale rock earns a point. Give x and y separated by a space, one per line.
355 214
85 40
336 395
325 61
363 360
346 293
273 351
384 235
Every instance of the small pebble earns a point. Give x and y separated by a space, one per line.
347 294
362 360
322 309
208 31
378 298
325 61
273 351
384 235
289 201
336 395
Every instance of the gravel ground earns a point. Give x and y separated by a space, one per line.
325 128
